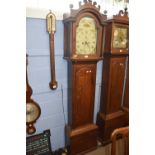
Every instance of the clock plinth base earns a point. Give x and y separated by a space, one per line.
82 139
107 123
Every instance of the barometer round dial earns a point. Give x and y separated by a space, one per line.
32 112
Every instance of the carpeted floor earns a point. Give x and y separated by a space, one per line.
106 150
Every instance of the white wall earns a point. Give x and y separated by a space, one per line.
40 8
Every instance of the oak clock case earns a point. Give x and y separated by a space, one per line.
83 37
114 91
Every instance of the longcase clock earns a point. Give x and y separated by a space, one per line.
114 92
83 37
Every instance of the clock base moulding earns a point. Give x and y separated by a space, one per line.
82 139
107 123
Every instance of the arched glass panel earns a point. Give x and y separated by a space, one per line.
86 36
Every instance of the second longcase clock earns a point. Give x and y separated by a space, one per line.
114 93
83 37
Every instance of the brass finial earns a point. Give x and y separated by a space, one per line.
126 9
94 3
71 6
85 1
99 7
105 12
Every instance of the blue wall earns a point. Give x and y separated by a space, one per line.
53 103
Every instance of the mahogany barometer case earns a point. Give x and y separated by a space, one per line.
114 90
83 40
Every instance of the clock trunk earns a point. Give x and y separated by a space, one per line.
81 131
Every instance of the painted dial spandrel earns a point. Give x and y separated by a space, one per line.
86 36
32 112
120 37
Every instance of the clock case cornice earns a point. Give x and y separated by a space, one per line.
121 17
88 6
71 20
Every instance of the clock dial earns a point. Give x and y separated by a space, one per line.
120 37
32 112
86 35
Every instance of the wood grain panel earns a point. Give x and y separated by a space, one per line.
83 94
117 74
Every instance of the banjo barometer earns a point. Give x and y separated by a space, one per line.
33 110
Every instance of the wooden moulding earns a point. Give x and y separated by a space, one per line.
87 4
122 15
124 134
82 139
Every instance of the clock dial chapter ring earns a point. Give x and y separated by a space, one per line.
86 35
120 37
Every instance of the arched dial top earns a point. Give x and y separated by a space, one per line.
86 36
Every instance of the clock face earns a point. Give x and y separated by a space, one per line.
86 36
120 37
32 112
